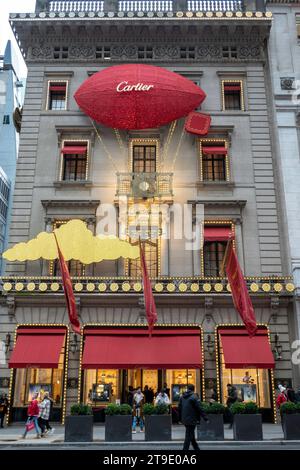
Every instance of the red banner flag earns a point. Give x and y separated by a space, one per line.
68 290
150 306
239 291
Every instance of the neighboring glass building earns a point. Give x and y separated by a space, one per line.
4 202
11 101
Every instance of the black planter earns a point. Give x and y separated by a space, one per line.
291 426
213 430
247 427
118 428
79 428
158 428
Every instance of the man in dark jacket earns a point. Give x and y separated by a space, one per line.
190 412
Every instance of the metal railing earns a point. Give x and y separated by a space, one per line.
76 6
145 185
146 5
215 5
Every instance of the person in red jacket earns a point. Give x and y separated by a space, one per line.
33 414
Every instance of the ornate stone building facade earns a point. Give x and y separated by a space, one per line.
225 52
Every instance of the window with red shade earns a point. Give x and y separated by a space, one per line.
232 92
74 161
57 95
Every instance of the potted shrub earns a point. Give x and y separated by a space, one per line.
290 416
247 422
158 422
79 426
214 429
118 421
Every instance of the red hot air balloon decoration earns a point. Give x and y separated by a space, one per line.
137 96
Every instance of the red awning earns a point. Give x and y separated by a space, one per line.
37 347
241 351
75 150
232 87
217 234
58 87
132 348
214 150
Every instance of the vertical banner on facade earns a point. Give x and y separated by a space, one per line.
239 291
68 290
150 307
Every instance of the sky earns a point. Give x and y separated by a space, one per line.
13 6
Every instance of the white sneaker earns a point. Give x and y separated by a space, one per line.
133 432
52 431
141 430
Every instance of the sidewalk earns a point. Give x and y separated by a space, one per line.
12 435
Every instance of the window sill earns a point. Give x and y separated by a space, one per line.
73 184
215 184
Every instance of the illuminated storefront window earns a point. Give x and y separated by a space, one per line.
246 364
101 386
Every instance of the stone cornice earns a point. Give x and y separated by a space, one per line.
84 36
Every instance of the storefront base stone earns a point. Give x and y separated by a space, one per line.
79 429
247 427
291 426
213 430
118 428
158 428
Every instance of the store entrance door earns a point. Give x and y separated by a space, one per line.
142 377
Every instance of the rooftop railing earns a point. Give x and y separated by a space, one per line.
147 5
76 6
144 5
215 5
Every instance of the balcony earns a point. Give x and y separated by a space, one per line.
145 185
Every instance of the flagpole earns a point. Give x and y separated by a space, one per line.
222 270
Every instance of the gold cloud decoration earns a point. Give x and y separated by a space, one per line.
76 242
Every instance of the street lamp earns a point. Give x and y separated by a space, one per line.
277 349
7 343
74 344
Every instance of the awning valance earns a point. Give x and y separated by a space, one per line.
240 351
217 233
74 150
235 87
214 150
38 348
132 348
58 87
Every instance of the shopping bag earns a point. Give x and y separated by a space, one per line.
29 426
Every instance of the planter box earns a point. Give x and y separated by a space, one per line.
291 426
79 428
158 427
247 427
118 428
212 431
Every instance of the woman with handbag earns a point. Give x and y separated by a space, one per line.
3 408
33 414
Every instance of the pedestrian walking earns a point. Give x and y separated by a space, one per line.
291 395
232 397
33 413
162 398
190 413
45 408
3 408
138 402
